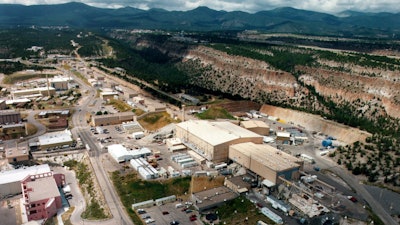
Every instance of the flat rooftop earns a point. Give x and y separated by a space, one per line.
253 124
55 137
213 197
18 175
39 192
268 156
216 133
9 112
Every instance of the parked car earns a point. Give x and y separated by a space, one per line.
141 211
165 212
150 220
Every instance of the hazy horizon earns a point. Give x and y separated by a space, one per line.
251 6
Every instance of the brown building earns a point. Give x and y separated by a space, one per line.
257 126
13 131
3 104
212 139
237 184
266 161
112 119
9 117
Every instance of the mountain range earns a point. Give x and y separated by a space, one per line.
282 20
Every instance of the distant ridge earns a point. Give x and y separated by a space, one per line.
286 19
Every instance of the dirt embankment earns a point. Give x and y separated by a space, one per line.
312 122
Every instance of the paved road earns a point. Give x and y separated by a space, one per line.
81 128
355 184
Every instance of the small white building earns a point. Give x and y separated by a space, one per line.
145 170
122 154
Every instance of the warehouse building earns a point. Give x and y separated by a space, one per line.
212 139
53 140
267 162
34 92
257 126
10 181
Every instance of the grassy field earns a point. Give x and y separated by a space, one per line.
215 112
198 183
131 190
14 78
156 121
31 129
120 105
237 210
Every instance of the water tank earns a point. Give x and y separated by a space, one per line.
326 143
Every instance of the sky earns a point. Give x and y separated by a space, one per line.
251 6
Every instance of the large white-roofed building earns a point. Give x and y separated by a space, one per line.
55 139
212 139
10 181
122 154
266 161
33 93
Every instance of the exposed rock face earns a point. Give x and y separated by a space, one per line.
372 91
312 122
249 78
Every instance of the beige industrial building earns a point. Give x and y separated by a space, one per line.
257 126
266 161
212 139
112 119
53 140
17 154
156 107
34 92
59 83
108 95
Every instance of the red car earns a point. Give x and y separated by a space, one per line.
193 218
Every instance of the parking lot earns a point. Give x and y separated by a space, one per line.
168 213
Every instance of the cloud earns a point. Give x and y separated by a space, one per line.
330 6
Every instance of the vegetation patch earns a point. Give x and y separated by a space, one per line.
67 216
156 121
94 210
14 78
132 189
215 112
240 211
31 129
120 105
